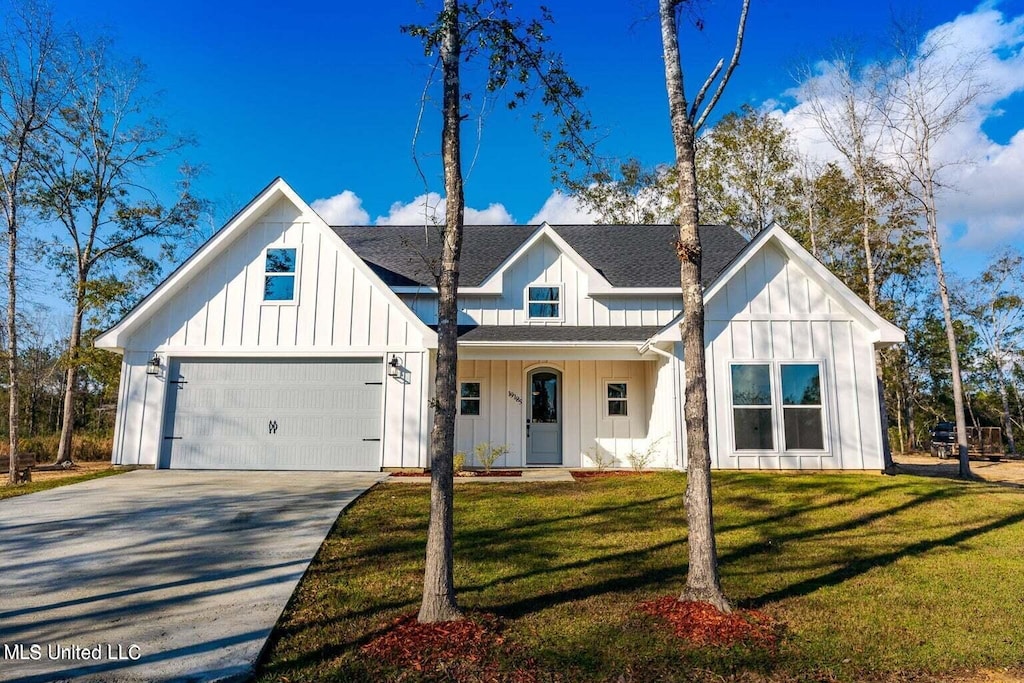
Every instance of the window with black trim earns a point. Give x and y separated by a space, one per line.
469 399
544 302
617 398
279 274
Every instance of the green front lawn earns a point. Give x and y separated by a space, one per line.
71 477
876 578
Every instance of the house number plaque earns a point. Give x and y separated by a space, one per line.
515 397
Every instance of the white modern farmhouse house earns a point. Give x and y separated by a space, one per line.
284 343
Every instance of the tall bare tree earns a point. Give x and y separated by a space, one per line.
89 183
994 302
518 65
931 87
702 579
847 101
32 82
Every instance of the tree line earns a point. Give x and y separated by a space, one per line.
870 213
77 135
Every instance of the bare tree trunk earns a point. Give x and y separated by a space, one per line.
67 427
12 338
702 579
954 356
439 603
1005 398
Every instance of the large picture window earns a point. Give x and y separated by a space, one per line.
795 412
279 275
544 302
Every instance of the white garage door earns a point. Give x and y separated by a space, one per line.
273 414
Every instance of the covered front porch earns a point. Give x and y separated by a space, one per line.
566 406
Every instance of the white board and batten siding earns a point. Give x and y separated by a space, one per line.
585 425
545 263
773 310
219 313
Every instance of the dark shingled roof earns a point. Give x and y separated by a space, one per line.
555 333
627 255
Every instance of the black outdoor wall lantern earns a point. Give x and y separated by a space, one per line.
394 367
153 366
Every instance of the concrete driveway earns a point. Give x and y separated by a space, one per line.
158 575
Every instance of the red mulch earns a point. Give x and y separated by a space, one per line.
594 474
701 624
470 648
472 473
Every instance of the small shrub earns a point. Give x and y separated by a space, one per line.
641 460
487 455
459 461
601 458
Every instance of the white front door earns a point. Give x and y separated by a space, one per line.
544 418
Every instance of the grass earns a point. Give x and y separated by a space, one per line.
50 482
904 578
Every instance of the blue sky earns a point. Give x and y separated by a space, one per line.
326 94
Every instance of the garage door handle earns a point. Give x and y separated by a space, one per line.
371 439
171 437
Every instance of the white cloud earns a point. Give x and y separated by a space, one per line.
345 208
563 209
986 195
430 207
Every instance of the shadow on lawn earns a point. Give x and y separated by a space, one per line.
861 565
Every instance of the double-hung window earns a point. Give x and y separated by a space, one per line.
469 399
544 302
617 398
752 407
279 283
761 414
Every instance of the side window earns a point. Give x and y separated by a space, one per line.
469 399
279 274
802 407
617 399
752 407
544 302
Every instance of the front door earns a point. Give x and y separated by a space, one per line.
544 422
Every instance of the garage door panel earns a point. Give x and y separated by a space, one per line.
281 414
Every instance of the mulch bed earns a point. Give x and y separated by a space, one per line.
594 474
468 649
702 625
494 473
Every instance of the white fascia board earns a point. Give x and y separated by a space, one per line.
613 291
493 283
116 336
292 352
550 345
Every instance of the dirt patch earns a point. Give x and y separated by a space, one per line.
1009 470
702 625
469 649
79 469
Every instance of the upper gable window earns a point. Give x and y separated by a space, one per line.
544 302
279 283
